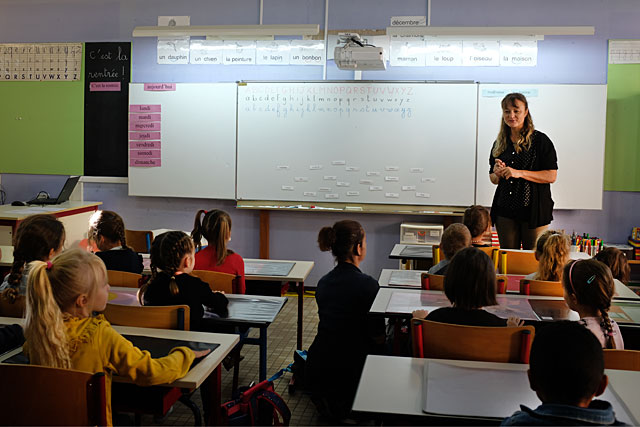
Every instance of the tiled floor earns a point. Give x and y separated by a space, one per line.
280 348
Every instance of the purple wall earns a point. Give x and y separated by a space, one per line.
293 235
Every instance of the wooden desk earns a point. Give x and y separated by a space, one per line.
207 371
74 215
622 292
240 315
393 386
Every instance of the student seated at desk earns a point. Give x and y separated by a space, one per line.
106 229
588 289
552 253
478 221
470 284
345 332
172 259
617 262
566 370
62 295
455 237
216 228
38 238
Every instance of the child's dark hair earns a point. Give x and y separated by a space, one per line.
109 225
35 237
477 220
167 251
566 363
342 239
470 282
455 237
616 260
216 228
591 283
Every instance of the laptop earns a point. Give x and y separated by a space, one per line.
68 188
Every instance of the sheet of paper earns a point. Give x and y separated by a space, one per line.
405 278
173 50
406 302
509 307
624 51
268 268
420 251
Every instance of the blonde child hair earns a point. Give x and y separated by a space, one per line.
552 252
52 288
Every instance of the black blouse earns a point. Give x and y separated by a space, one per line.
518 198
459 316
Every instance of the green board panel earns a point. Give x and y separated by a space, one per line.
622 149
42 127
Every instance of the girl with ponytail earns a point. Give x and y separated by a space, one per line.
38 237
61 331
215 227
552 253
106 229
588 289
172 259
346 334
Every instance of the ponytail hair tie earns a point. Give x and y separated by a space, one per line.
49 265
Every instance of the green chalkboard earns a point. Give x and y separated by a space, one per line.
42 127
622 149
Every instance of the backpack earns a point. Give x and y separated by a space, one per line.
258 405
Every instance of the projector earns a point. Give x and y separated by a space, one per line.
355 55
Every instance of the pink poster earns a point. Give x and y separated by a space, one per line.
145 163
145 108
142 145
135 136
142 126
144 154
149 117
104 87
160 87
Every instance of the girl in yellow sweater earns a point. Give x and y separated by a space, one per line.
61 331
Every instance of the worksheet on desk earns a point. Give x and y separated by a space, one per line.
268 268
405 278
406 302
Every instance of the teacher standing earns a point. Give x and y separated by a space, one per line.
523 164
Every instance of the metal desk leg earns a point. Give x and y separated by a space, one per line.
211 391
300 310
263 354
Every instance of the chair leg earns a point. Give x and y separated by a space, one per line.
186 400
236 369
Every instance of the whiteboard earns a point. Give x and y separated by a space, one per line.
198 142
391 143
573 117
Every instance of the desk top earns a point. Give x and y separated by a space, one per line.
298 273
394 385
196 376
415 251
390 302
16 213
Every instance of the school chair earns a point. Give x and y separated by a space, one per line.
493 253
12 304
123 279
541 287
626 360
432 282
154 400
225 282
149 316
436 253
488 344
517 262
40 395
139 241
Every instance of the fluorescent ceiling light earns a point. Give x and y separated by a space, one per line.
227 30
491 31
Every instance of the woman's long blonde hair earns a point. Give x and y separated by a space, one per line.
50 289
526 134
553 251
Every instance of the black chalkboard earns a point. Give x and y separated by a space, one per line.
106 108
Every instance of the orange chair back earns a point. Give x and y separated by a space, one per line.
489 344
627 360
149 316
139 240
39 395
517 262
123 279
225 282
432 282
541 287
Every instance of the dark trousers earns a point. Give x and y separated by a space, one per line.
512 233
